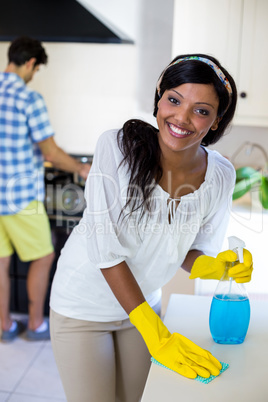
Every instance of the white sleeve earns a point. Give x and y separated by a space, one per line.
106 245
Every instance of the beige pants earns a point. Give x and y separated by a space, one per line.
99 362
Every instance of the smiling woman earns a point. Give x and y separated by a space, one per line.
157 200
185 115
145 152
188 112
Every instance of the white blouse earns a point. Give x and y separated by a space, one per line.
154 248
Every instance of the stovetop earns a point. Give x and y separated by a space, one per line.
65 190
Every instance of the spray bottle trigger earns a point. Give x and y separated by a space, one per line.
237 246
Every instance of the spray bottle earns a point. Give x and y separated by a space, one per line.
230 308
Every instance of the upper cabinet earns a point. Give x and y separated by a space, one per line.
235 32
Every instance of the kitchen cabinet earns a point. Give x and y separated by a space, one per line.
235 32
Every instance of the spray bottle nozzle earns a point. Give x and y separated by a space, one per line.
237 246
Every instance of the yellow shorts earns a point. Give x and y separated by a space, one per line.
27 232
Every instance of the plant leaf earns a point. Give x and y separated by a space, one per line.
263 194
244 185
241 188
244 172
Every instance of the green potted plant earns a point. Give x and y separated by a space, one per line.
248 178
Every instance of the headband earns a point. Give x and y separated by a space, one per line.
210 63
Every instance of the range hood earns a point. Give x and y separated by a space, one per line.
54 21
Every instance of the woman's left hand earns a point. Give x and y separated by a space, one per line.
242 271
206 267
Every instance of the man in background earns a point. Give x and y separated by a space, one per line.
26 140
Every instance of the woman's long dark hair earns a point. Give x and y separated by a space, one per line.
138 140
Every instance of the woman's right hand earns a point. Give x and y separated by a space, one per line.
173 350
186 358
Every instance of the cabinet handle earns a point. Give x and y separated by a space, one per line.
243 95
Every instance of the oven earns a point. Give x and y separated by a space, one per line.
64 203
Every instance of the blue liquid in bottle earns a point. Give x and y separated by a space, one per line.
229 318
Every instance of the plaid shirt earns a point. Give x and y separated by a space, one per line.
23 123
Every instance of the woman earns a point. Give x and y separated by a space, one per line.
157 200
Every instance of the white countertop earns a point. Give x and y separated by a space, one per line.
246 380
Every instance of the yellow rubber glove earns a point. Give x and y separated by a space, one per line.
206 267
172 350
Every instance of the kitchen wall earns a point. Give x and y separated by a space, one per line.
87 90
233 145
150 24
91 87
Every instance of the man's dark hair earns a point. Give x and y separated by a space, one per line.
24 48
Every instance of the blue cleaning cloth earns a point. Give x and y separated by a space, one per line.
198 378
